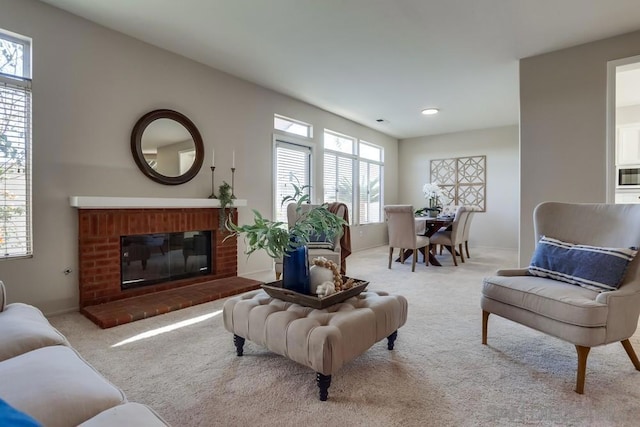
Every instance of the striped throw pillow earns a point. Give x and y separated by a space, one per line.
319 241
592 267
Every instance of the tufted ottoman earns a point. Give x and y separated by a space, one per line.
322 340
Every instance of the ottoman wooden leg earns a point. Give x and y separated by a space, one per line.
392 339
324 382
239 343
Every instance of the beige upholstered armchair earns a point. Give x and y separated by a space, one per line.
592 314
332 251
401 225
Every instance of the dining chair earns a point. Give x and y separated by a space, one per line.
454 236
449 210
465 232
401 226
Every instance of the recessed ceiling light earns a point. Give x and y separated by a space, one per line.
430 111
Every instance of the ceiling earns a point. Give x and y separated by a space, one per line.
373 59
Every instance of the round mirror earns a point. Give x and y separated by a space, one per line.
167 147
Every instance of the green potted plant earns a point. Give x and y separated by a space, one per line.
225 198
280 240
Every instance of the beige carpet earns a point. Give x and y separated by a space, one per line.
438 375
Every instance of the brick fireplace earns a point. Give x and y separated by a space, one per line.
102 223
99 247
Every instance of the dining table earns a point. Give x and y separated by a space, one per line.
427 226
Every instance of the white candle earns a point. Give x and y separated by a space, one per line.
233 159
213 157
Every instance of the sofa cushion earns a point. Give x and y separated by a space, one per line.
557 300
56 386
11 417
128 414
24 328
592 267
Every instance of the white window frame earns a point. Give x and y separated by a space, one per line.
281 137
299 122
26 60
22 83
354 215
372 162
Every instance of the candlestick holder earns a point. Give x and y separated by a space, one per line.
213 192
233 172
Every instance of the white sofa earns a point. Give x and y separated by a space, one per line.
42 376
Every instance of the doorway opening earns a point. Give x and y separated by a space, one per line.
623 130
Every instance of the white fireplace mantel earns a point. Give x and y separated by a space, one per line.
97 202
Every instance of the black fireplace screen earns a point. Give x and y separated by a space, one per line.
149 259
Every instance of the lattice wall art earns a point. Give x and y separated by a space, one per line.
462 179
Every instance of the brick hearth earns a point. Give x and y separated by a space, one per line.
131 309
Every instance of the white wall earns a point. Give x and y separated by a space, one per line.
563 113
498 226
90 87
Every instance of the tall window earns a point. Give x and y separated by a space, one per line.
339 158
346 158
293 166
15 146
370 171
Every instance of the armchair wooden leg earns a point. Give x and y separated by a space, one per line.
461 254
632 354
390 256
466 246
485 324
452 249
402 254
583 352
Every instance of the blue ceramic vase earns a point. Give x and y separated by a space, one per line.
295 271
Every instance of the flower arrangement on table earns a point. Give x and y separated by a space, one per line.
434 194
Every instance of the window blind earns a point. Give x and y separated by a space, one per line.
293 166
338 180
370 177
15 167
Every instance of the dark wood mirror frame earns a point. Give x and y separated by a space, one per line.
138 156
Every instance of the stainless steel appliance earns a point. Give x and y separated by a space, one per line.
629 177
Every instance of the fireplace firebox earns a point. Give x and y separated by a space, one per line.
148 259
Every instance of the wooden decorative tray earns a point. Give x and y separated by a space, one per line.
275 290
